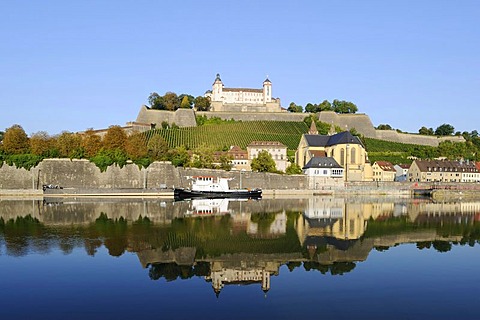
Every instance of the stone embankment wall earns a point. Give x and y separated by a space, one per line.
181 117
358 121
363 125
86 175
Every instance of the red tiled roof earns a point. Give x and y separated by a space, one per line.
385 165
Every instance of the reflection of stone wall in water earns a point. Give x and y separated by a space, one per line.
355 216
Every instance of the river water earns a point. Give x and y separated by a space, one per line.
321 257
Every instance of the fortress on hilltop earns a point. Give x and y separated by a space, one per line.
242 99
246 104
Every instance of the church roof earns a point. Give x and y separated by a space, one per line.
267 80
344 137
322 162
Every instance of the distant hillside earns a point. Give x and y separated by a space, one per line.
236 133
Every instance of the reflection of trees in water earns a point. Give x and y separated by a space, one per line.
337 268
264 220
173 271
211 236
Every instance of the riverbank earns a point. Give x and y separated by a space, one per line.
168 193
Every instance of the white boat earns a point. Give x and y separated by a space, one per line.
214 187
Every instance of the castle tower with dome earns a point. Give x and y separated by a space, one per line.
242 99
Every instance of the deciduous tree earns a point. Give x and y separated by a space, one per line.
115 139
41 144
202 103
342 106
157 148
135 147
263 162
69 145
91 143
444 130
426 131
15 140
185 104
170 101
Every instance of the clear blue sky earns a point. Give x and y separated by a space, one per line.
73 65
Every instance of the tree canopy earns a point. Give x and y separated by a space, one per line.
263 162
15 140
444 130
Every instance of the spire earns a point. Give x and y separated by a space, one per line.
313 128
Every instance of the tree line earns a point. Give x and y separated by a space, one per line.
338 106
170 101
115 147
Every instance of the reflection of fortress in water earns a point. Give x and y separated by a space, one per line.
244 242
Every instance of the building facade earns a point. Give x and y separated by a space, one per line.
347 150
443 171
401 172
383 171
276 149
224 99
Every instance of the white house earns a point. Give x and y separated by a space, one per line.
401 172
276 149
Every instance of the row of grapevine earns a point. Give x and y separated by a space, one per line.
238 133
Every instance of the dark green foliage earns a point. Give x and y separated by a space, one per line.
204 121
263 163
384 127
26 161
293 168
444 130
106 158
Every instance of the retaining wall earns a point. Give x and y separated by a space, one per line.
86 175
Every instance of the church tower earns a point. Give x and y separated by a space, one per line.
217 89
267 91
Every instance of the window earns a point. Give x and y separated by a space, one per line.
352 156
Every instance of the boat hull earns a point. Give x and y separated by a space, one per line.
181 194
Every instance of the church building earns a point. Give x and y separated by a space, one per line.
242 99
346 149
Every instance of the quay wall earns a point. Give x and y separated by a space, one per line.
83 174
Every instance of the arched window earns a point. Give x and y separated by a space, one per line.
352 156
342 157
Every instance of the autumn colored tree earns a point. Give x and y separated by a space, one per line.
115 139
135 147
157 147
185 104
91 143
15 140
69 145
41 144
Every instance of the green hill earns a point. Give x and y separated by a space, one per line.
235 133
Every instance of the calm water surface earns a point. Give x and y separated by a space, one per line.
329 258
